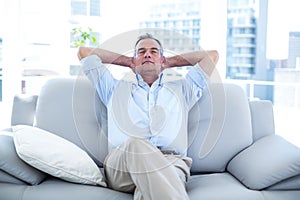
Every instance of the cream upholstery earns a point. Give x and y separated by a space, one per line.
228 137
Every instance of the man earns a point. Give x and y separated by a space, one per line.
147 116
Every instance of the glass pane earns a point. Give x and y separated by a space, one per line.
78 7
95 7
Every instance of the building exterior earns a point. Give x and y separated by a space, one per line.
85 7
287 74
294 50
183 18
246 44
177 24
287 89
246 35
246 31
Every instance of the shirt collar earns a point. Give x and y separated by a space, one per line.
142 83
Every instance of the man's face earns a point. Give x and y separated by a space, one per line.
148 59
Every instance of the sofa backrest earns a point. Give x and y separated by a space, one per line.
219 124
219 127
23 110
71 109
262 118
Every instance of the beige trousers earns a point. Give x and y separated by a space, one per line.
138 166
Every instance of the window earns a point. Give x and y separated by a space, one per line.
78 7
196 32
196 22
1 58
186 23
243 42
186 32
95 7
85 7
1 88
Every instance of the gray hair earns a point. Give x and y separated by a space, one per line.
148 36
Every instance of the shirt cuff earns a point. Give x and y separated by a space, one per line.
91 62
198 68
198 76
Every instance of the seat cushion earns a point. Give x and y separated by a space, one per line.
219 186
53 188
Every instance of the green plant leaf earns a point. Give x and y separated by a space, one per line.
81 37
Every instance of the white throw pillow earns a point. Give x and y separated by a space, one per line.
56 156
268 161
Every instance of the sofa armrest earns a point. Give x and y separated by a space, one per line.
292 183
23 111
269 160
262 118
11 164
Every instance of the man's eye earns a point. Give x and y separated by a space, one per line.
141 52
155 51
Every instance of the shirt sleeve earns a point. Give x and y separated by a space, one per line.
99 76
198 80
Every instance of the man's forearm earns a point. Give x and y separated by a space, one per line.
206 59
106 56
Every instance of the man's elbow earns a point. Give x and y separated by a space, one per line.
214 55
79 53
83 52
209 63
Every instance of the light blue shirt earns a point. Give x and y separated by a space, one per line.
158 113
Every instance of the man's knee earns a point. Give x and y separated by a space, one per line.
136 145
134 141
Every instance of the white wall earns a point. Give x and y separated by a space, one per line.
10 30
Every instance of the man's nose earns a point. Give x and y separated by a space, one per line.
147 54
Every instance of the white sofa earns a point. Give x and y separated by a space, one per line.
236 153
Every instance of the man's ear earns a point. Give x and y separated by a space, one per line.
132 64
164 62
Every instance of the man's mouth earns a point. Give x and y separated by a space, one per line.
148 61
